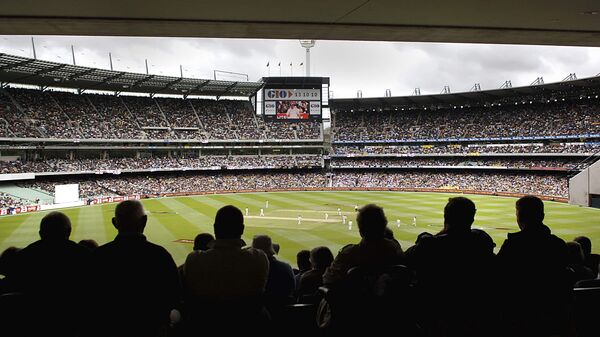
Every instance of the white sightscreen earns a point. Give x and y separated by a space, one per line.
66 193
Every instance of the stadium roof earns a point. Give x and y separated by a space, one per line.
572 22
476 98
22 70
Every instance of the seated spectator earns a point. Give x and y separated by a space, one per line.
225 284
89 244
54 273
533 264
136 281
280 283
8 260
581 271
373 251
590 260
202 241
409 250
320 259
455 266
303 262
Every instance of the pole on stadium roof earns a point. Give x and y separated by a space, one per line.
446 89
538 81
73 54
181 70
506 84
475 87
33 48
571 77
147 73
417 92
110 60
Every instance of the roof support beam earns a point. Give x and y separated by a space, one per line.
18 64
106 80
140 81
40 72
228 89
81 73
198 87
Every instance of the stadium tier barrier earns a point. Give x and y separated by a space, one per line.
103 200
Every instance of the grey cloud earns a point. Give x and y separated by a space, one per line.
371 67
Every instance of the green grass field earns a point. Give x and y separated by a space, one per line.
171 219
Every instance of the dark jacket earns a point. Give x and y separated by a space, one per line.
137 286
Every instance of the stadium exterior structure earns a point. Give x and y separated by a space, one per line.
47 75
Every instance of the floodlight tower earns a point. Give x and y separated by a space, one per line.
307 44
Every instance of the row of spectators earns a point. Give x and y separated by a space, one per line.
469 149
560 163
7 201
550 119
540 184
132 287
153 163
33 113
272 161
158 184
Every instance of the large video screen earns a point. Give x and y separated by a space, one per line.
293 104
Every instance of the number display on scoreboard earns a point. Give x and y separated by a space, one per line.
299 104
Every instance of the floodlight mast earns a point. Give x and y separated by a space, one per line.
307 44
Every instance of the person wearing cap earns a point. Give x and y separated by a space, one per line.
280 283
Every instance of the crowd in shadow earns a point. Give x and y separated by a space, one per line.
450 283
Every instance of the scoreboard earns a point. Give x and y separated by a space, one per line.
293 98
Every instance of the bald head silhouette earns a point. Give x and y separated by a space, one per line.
55 226
130 217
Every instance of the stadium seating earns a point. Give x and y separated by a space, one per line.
55 114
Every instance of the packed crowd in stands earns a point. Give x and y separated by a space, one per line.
7 200
54 114
589 148
540 184
132 287
564 163
162 163
189 182
540 119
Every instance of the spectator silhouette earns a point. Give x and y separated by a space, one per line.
8 265
280 283
137 281
576 263
202 241
89 244
455 266
225 284
303 261
320 259
533 263
373 251
590 260
54 273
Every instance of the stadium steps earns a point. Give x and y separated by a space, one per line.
27 193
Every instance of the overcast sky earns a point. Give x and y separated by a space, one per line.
371 67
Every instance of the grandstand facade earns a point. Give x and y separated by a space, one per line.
121 135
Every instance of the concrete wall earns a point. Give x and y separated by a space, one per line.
583 184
